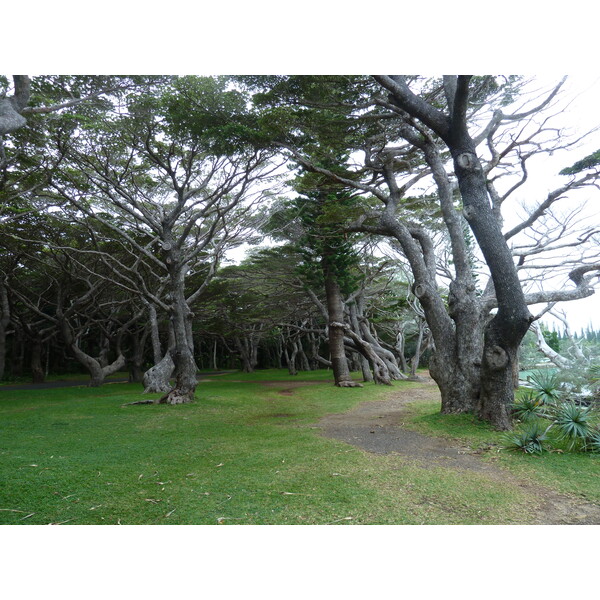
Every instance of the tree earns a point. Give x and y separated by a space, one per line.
325 247
410 131
181 193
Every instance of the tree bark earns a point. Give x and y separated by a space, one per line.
556 358
157 378
97 372
185 366
505 331
336 329
381 374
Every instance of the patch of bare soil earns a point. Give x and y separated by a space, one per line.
377 427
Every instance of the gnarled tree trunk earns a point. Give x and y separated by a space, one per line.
182 354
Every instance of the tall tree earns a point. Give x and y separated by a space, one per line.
413 131
182 190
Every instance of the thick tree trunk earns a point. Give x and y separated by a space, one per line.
456 362
336 329
182 355
500 354
505 331
154 334
157 378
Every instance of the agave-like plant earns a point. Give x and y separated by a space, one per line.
529 440
529 406
573 422
545 385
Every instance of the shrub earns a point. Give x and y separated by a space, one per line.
545 385
572 422
528 440
528 407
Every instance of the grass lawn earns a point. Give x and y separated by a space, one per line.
243 453
568 472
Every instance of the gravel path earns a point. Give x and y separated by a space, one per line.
377 427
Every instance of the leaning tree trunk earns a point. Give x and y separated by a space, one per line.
291 358
399 347
365 366
381 374
97 373
157 378
555 357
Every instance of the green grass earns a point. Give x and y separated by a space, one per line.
241 454
568 472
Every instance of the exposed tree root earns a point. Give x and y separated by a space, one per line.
349 384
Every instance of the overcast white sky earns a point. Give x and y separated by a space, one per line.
580 116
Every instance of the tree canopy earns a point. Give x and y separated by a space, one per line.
394 214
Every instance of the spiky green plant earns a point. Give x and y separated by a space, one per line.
529 406
572 422
545 385
529 440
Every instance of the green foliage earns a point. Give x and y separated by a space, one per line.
323 239
572 422
528 407
568 472
546 385
593 160
209 111
529 440
551 338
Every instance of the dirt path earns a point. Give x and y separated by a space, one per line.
377 427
